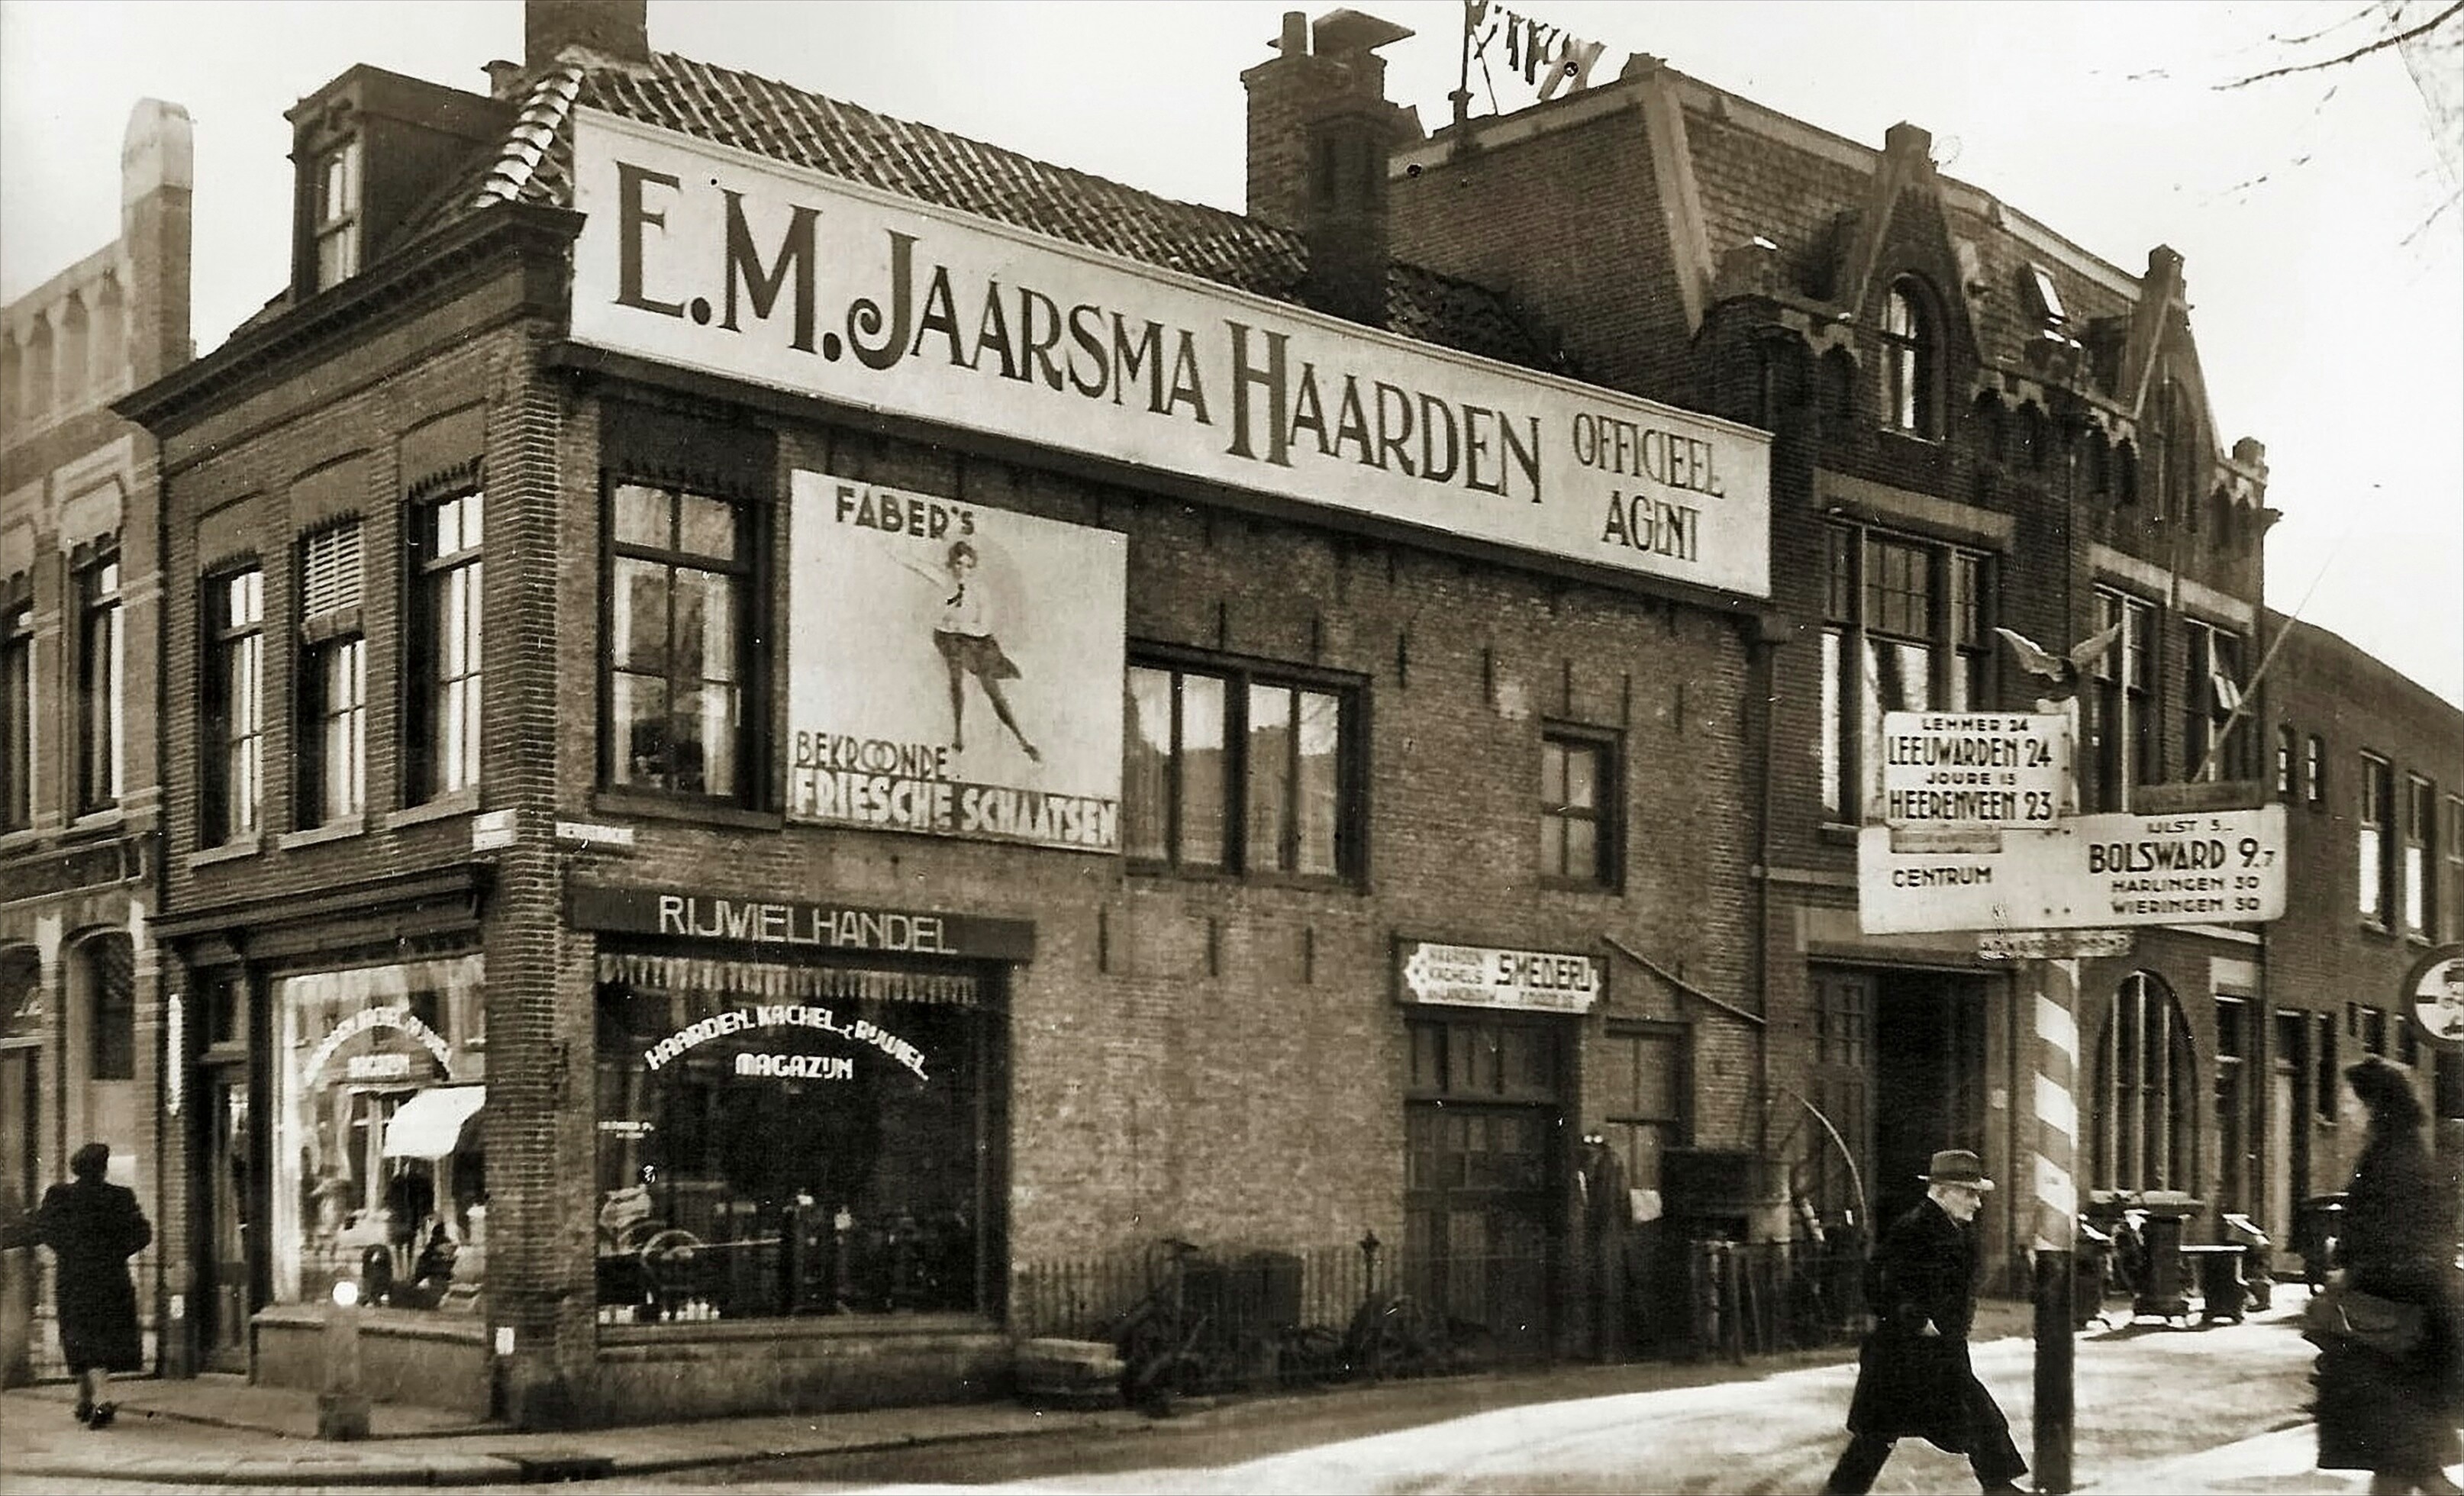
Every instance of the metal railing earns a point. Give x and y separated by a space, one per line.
1186 1320
1761 1297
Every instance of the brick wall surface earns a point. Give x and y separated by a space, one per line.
2324 956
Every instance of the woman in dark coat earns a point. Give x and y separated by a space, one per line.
93 1227
2395 1416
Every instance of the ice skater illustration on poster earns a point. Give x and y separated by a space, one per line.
963 634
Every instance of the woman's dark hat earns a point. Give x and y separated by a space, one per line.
1957 1166
90 1162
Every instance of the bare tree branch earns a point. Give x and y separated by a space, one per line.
2393 39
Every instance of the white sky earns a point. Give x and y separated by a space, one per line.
2330 320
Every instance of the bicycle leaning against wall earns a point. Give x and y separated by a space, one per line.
1163 1343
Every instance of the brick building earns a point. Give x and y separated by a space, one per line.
801 727
1977 424
80 798
2370 768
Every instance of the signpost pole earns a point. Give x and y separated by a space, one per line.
2056 1209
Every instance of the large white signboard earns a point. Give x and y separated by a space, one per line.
1973 768
1490 976
951 670
697 254
2219 866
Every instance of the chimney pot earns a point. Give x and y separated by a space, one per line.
1908 140
617 28
1296 33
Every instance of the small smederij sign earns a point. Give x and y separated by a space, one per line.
1493 977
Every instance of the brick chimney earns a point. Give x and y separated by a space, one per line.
1344 220
617 29
1314 67
1320 132
157 184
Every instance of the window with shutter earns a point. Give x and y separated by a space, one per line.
333 680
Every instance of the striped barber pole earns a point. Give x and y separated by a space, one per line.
2056 1106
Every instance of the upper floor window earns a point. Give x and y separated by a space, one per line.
2450 840
443 642
1911 357
2375 851
17 717
1578 800
2420 854
234 709
337 227
1238 770
333 679
2313 772
2174 456
1905 630
2284 741
101 679
2118 702
2216 731
680 653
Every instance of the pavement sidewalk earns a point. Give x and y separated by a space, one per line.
220 1430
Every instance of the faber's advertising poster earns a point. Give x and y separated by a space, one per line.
953 669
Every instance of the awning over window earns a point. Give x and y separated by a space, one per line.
430 1124
776 982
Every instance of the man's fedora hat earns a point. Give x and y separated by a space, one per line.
1957 1166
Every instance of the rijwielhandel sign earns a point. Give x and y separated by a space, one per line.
2217 867
702 257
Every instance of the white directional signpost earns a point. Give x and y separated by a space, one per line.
1973 825
2081 873
1974 769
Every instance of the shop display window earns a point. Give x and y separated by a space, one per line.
783 1140
380 1175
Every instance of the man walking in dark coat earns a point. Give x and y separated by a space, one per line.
93 1227
1914 1377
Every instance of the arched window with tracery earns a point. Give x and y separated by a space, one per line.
1911 361
2145 1092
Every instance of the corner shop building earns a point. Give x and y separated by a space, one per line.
770 682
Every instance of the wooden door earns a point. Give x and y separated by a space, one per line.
226 1235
